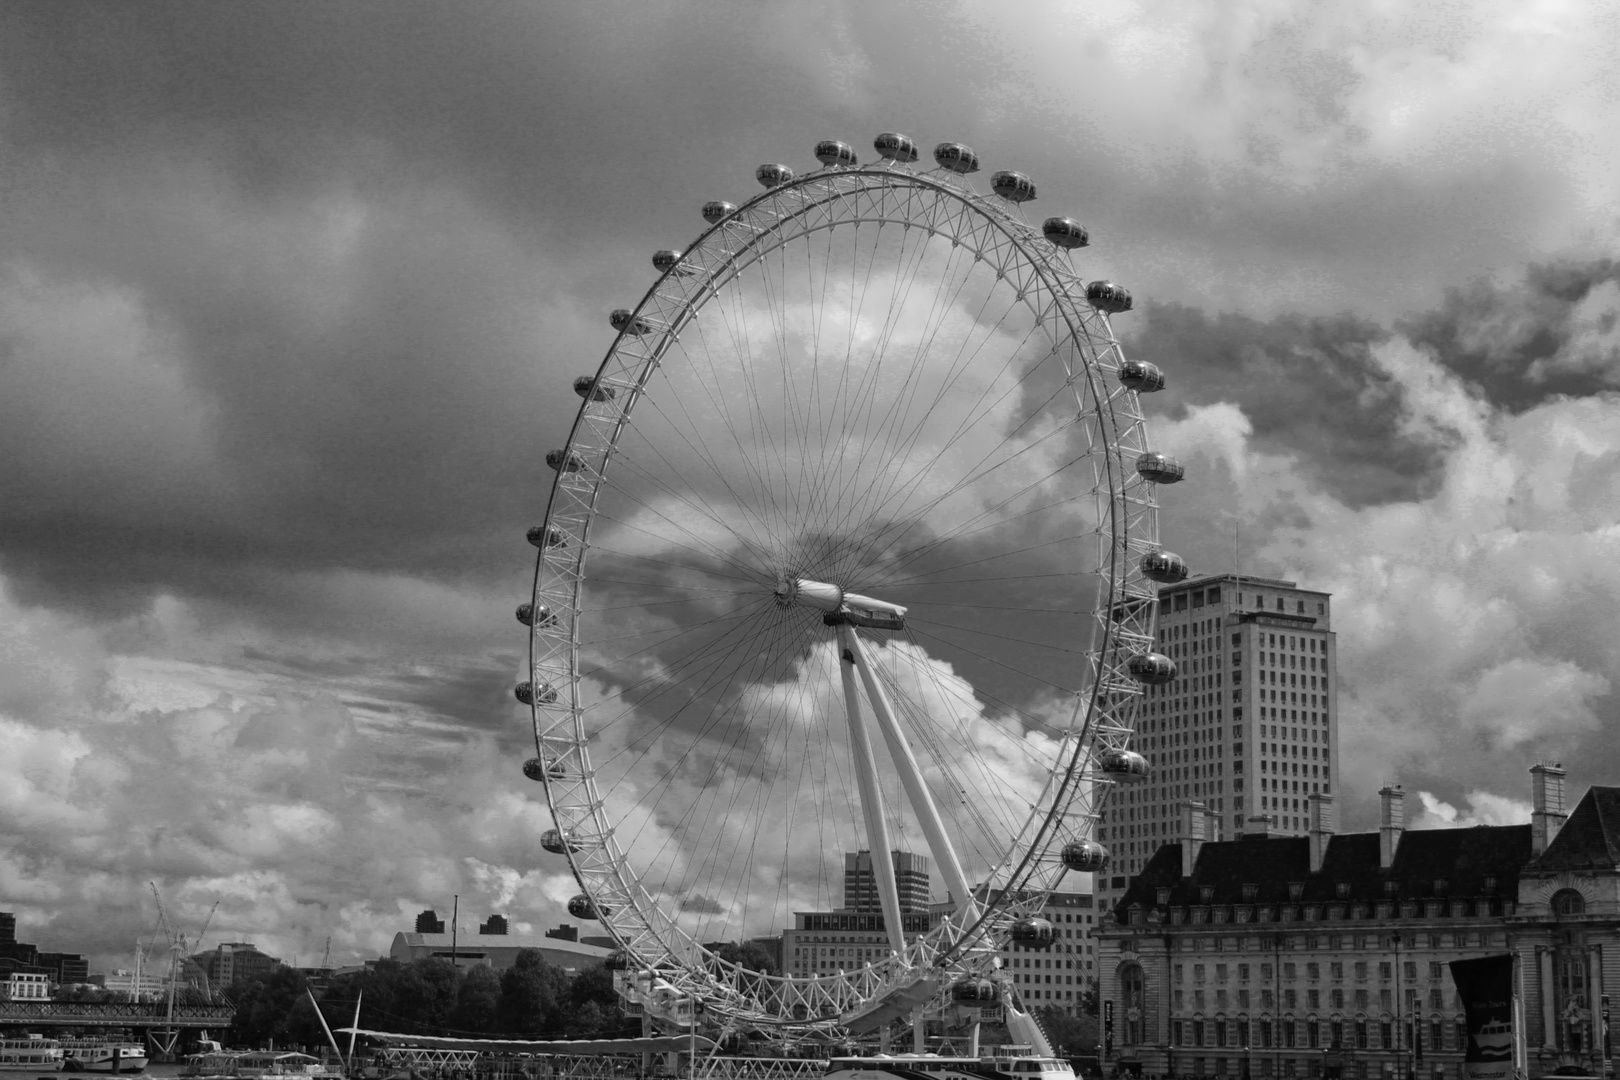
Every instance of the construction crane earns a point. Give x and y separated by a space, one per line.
179 956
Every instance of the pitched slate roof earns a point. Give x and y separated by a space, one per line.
1590 838
1483 861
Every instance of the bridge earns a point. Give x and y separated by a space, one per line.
38 1015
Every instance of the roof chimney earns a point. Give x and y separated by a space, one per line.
1391 824
1547 814
1194 822
1321 828
1258 826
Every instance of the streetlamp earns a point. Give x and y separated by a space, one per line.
1248 1061
1415 1043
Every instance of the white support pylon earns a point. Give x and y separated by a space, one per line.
877 826
905 763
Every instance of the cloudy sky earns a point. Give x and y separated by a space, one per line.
291 294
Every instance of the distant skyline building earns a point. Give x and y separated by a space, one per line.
234 963
911 877
63 968
827 942
428 922
1249 727
145 987
1058 975
824 942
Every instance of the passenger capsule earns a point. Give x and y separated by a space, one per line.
538 770
540 536
617 960
773 175
526 693
1140 376
1164 566
975 992
1036 933
831 152
956 158
717 210
1124 766
532 615
1151 668
1159 468
1086 856
892 146
552 840
1065 232
563 461
581 907
585 386
669 261
1013 186
1106 296
626 321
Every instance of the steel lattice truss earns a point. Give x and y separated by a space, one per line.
1045 280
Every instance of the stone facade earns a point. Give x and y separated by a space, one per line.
1326 955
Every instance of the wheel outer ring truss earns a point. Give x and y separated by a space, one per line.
1043 277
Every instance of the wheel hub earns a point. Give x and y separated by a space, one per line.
840 606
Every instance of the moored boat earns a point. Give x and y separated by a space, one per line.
108 1055
30 1053
252 1064
1001 1066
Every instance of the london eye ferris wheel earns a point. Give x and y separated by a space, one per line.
852 546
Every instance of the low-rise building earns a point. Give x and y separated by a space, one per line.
827 942
26 986
144 987
1326 955
498 951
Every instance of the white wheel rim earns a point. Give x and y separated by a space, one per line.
621 440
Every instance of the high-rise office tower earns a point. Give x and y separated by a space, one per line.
910 878
1248 728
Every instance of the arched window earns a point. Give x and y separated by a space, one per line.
1568 902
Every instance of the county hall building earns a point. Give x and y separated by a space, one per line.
1325 954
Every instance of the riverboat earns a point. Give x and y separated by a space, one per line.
30 1053
103 1055
1003 1066
253 1064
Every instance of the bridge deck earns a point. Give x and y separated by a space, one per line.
124 1014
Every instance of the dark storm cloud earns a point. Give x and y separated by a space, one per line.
702 904
360 251
1310 387
1556 331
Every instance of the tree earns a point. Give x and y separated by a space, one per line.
593 1004
275 1006
477 1001
1069 1035
425 994
533 993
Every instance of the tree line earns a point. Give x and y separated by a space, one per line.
531 999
